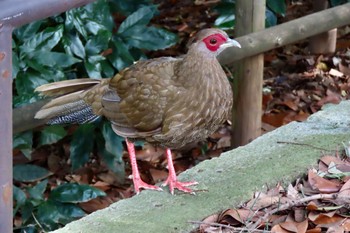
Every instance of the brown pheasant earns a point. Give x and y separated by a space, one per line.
166 101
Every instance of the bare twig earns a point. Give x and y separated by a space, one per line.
235 229
305 144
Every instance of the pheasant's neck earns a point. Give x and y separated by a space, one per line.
198 71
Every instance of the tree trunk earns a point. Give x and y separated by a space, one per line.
325 42
250 17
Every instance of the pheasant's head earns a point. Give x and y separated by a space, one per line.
212 42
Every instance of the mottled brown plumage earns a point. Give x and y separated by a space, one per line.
166 101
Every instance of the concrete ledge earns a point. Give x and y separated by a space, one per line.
229 179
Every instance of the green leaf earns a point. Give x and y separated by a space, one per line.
98 43
111 149
103 17
94 27
107 69
26 211
93 69
27 31
45 40
150 38
15 65
29 173
81 145
74 45
26 82
226 19
24 142
69 212
271 19
140 17
277 6
75 193
338 2
38 190
121 57
54 58
48 215
73 18
127 7
51 134
19 197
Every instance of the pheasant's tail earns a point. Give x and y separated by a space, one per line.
68 105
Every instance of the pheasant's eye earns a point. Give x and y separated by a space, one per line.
213 41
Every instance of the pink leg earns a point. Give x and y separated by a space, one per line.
138 183
172 179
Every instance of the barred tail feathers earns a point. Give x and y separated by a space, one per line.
71 106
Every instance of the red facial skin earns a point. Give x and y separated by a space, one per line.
214 41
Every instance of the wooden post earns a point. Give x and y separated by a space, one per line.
250 17
325 42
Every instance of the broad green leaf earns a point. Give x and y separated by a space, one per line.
73 45
225 21
51 134
38 190
29 229
73 18
15 65
93 69
111 150
26 211
104 16
128 7
98 43
69 212
277 6
150 38
75 193
338 2
94 27
226 18
26 82
271 19
24 142
24 99
140 17
19 197
54 58
48 215
28 30
45 40
121 56
81 145
29 173
107 69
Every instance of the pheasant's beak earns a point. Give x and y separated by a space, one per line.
230 43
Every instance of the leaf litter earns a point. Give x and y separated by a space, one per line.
318 202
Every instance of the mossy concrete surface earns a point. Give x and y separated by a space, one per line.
281 155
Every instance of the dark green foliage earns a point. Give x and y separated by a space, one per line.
338 2
80 43
55 211
29 173
226 10
82 145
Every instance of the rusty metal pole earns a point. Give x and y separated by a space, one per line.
15 13
5 128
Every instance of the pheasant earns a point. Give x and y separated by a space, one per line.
166 101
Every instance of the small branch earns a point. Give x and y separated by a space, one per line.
235 229
305 144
